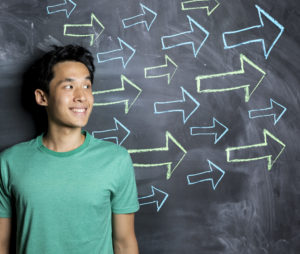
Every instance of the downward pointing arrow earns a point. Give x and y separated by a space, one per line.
125 53
93 30
248 77
217 129
147 17
176 40
157 197
271 149
276 110
119 134
67 6
209 5
187 106
256 33
213 175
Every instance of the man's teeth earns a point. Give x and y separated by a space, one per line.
78 110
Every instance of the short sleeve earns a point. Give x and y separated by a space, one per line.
5 203
125 199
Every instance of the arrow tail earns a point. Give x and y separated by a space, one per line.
260 113
166 107
132 21
172 41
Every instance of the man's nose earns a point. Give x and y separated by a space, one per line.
79 94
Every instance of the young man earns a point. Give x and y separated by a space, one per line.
71 193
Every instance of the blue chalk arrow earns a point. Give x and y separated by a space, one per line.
125 53
254 34
213 175
276 110
147 17
187 106
184 38
67 6
217 129
157 197
119 134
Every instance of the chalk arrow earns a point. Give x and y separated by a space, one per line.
92 30
168 69
196 31
271 149
125 53
217 129
162 156
157 197
276 110
267 33
187 106
209 5
248 77
118 135
127 94
67 6
147 17
213 175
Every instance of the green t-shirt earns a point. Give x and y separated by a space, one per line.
64 200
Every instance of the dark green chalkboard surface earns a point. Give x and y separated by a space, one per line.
205 96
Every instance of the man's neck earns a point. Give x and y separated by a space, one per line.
64 139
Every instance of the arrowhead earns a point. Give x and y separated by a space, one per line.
275 148
253 75
175 148
122 131
128 52
97 26
190 105
171 68
159 196
216 174
220 130
271 31
70 6
200 35
132 92
279 110
149 16
212 5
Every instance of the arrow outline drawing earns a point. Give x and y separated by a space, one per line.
158 207
183 8
122 88
260 11
210 133
209 179
270 108
117 123
140 15
183 92
61 10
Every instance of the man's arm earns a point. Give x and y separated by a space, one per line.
5 231
124 239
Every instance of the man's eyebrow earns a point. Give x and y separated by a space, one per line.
72 79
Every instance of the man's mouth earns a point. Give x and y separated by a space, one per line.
79 110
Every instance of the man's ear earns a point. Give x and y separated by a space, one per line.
41 97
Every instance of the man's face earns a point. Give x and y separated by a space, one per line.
70 100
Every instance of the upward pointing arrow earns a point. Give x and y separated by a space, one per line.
67 6
209 5
248 77
125 53
270 149
161 156
147 17
184 38
187 106
157 197
92 30
276 110
260 33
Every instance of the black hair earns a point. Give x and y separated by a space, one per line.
40 73
44 66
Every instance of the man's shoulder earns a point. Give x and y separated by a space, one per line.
17 149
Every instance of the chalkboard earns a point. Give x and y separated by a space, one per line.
204 95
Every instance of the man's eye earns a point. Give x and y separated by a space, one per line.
87 86
68 87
